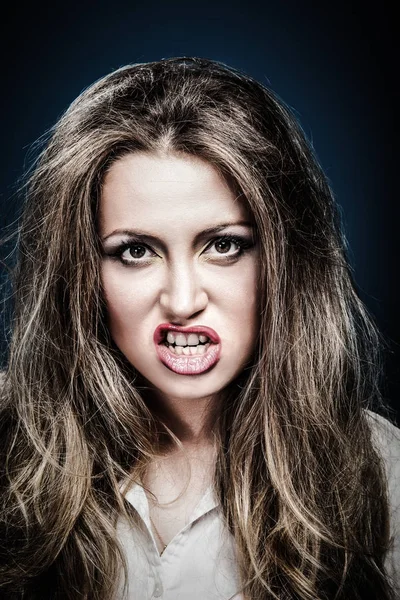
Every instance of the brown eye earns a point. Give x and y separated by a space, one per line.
137 251
229 247
223 246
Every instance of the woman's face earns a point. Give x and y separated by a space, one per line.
179 261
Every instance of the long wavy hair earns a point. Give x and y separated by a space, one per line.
302 488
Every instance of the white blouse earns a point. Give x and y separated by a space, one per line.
200 561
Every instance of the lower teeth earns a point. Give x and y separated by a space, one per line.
189 350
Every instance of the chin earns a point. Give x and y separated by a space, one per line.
194 387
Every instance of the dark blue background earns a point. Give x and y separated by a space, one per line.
336 65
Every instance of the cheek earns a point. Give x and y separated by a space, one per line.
242 306
125 301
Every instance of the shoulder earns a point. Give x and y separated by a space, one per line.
386 439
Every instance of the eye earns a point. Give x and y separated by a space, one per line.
134 252
229 246
223 246
131 253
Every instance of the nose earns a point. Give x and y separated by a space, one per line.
183 295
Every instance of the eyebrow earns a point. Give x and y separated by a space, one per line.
142 235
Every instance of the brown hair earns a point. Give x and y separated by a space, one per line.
73 421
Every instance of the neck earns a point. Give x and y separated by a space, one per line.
192 421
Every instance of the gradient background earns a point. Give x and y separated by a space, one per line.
335 65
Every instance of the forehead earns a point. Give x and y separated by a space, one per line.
166 191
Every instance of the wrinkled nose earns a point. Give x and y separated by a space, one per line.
183 295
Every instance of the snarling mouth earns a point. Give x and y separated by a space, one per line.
188 344
187 351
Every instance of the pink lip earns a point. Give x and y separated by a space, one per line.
188 365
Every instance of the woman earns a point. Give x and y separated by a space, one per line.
186 410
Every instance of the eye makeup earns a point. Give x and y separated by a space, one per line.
122 251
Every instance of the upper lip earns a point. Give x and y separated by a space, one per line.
159 334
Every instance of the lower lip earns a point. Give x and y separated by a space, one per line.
189 365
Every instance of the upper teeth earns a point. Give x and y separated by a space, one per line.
180 339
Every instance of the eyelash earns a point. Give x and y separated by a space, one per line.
242 243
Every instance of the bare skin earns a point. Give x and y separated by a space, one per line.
180 477
177 490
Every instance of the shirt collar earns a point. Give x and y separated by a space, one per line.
137 498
